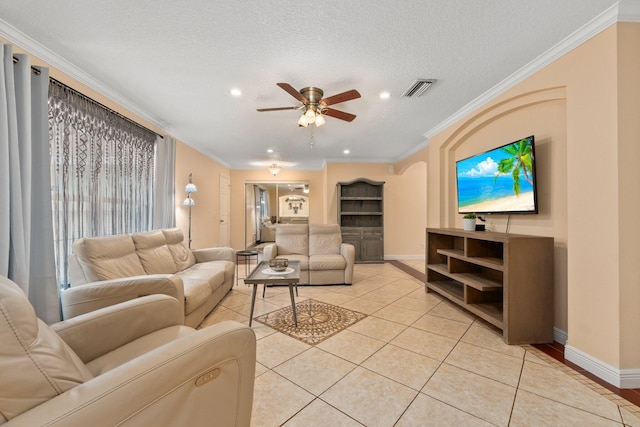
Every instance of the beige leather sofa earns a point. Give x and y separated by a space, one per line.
111 269
324 259
130 364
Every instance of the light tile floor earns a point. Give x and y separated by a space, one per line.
416 360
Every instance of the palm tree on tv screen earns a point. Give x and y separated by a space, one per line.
519 161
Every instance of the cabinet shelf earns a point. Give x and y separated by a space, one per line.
489 262
476 281
490 312
505 279
361 198
361 213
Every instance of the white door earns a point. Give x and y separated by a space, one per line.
225 211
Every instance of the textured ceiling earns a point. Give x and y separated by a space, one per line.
175 62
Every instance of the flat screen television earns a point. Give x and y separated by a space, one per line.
499 181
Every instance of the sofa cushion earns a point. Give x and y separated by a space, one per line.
327 262
36 363
182 255
108 257
304 260
200 281
196 290
324 239
292 239
154 253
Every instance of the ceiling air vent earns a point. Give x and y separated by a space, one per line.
418 87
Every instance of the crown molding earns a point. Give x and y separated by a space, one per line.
629 11
625 10
13 35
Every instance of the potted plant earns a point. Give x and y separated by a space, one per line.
469 221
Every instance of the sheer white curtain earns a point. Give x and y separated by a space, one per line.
102 172
26 232
164 206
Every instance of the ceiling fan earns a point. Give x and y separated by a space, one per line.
314 107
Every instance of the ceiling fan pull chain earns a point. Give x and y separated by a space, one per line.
311 142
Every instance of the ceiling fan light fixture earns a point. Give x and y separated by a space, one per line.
302 121
320 120
310 115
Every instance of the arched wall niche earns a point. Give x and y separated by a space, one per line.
460 140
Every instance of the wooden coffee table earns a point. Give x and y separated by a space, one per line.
261 275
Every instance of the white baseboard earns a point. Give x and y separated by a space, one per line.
404 257
560 336
621 378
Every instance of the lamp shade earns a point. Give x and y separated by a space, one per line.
191 187
189 202
302 121
310 115
320 120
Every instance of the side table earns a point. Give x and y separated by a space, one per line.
246 255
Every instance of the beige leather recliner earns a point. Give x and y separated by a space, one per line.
324 259
130 364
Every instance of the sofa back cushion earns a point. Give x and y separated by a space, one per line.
154 253
324 239
108 257
182 255
37 364
292 239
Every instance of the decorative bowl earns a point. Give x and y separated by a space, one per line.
279 264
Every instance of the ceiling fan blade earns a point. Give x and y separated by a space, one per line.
341 97
293 92
262 110
338 114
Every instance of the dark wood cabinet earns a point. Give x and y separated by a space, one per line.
360 215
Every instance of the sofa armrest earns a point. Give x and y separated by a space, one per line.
202 378
214 254
348 251
269 252
96 333
82 299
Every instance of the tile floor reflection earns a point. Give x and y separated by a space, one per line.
416 360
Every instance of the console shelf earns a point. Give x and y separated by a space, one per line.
505 279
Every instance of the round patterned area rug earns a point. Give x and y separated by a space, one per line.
317 320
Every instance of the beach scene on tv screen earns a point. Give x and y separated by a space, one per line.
500 180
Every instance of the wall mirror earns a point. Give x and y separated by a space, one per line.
271 203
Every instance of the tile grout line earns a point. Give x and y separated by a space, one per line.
601 390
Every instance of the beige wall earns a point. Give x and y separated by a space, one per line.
629 195
584 110
205 215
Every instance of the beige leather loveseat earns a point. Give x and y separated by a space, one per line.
130 364
111 269
324 259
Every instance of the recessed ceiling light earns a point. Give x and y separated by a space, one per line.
235 92
346 151
269 150
385 95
